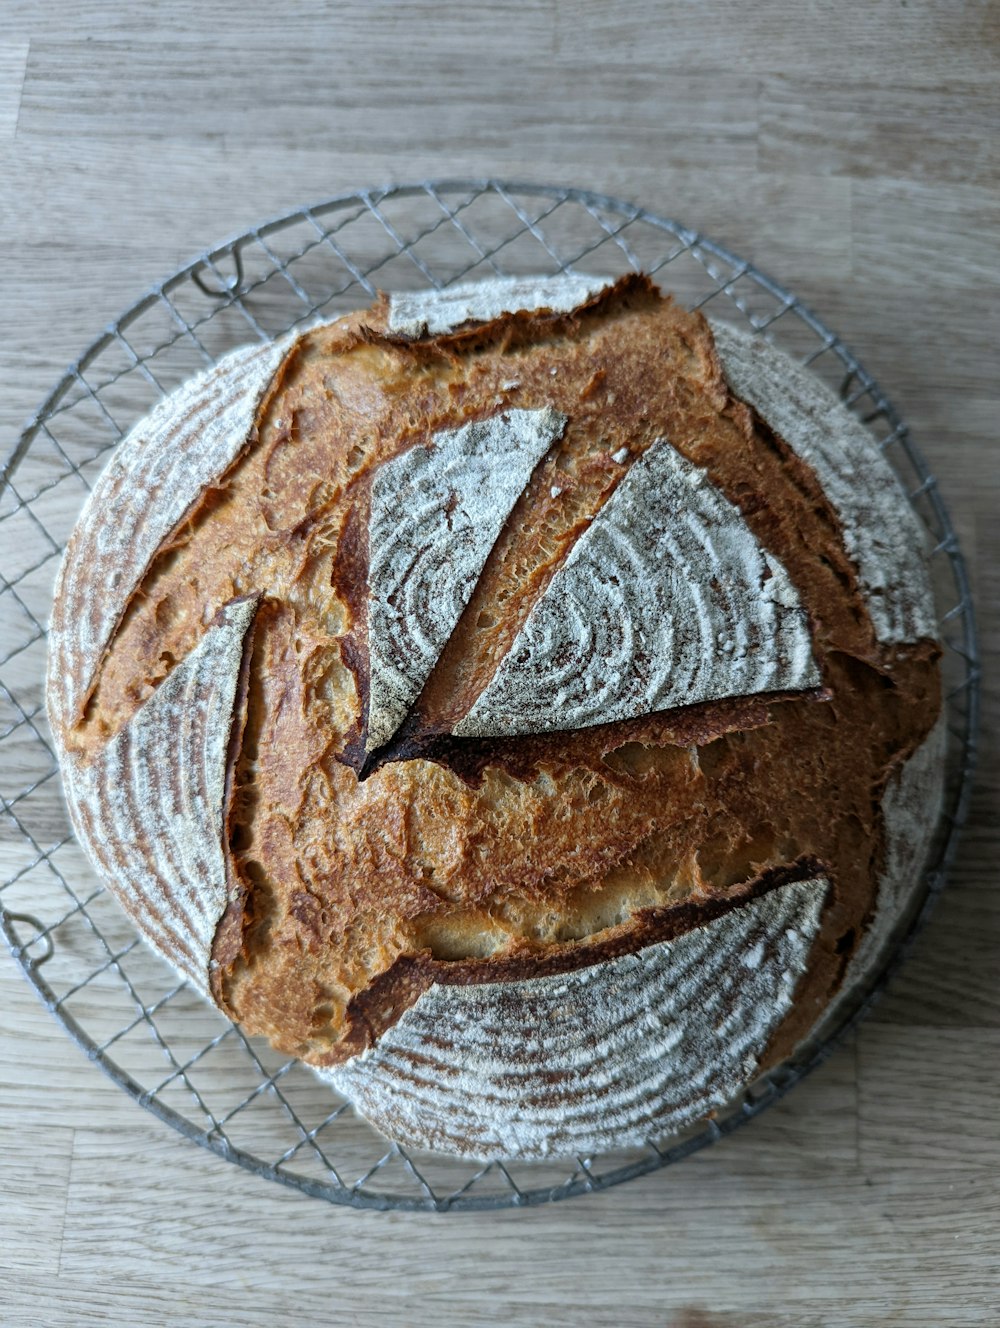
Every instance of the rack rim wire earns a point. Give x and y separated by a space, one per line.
207 273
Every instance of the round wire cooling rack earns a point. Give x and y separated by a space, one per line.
150 1032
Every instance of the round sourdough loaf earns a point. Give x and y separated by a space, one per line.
519 702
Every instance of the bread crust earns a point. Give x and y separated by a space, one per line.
156 475
362 878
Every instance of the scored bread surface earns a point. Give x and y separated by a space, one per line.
911 807
604 1057
624 629
433 811
881 533
428 313
155 475
151 806
436 513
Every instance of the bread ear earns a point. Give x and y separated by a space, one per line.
436 512
430 313
911 808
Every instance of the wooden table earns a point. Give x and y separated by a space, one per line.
850 149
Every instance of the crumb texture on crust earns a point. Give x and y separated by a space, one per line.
150 809
665 600
436 512
431 312
155 475
635 1048
881 532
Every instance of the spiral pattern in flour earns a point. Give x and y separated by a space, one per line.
149 808
666 600
604 1056
436 512
882 535
155 475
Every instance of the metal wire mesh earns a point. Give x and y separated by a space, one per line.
151 1033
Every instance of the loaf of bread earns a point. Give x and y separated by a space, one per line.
521 702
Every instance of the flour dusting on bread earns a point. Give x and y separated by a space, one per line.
602 1058
666 600
150 809
155 475
431 313
506 701
436 512
881 532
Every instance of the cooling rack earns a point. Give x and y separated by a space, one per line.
125 1007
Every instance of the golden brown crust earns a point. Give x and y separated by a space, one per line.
380 1005
469 860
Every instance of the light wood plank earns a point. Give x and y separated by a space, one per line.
34 1183
42 1072
785 1245
272 94
900 1076
69 185
13 63
905 232
950 980
380 28
898 42
881 127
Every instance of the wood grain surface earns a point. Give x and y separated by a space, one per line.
853 150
